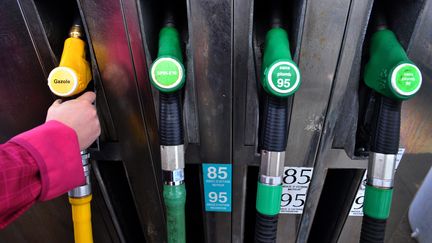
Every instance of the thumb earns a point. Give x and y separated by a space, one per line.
88 96
56 102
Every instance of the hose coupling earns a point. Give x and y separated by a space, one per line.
381 170
271 169
172 157
84 190
174 177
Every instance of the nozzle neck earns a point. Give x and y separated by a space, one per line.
75 31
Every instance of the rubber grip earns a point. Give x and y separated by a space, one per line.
265 228
170 119
275 119
385 134
373 230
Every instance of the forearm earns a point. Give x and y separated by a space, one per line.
40 164
19 182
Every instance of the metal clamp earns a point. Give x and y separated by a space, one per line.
270 180
381 170
173 178
84 190
172 157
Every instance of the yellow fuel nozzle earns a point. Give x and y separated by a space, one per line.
73 74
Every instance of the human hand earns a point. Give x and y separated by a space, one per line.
80 115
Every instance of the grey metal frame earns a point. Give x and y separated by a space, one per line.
114 30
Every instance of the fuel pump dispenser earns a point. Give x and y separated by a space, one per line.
393 77
280 78
168 76
70 78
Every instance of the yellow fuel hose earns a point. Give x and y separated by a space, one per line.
81 216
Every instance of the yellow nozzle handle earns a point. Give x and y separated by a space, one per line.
73 74
81 215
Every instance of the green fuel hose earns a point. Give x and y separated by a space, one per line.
168 76
394 78
175 200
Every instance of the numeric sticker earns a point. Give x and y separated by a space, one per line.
296 182
217 187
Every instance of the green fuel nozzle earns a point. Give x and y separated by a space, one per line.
280 75
394 78
280 79
167 73
389 71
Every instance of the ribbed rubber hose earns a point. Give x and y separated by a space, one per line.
274 127
373 230
385 133
170 119
265 228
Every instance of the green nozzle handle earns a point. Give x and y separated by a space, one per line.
167 72
175 200
389 71
280 75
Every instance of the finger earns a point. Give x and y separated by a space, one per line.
57 102
88 96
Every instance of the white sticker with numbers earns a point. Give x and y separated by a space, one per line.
357 207
296 182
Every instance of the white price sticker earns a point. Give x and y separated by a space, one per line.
296 182
357 206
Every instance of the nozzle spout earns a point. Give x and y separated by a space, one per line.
75 31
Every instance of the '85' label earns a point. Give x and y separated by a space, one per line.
296 182
217 187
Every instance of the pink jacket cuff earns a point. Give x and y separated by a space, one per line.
55 148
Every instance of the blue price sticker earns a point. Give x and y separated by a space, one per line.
217 187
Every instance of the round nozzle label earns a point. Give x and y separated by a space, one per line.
406 79
282 78
62 81
167 74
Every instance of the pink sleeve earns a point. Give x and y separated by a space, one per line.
19 182
55 148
